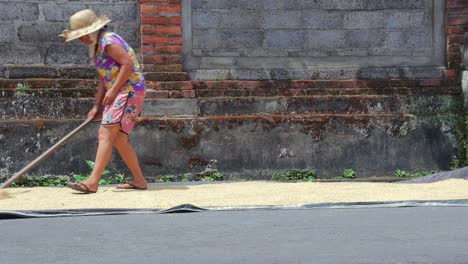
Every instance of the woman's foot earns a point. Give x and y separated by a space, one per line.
133 185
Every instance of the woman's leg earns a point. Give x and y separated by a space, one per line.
107 136
128 154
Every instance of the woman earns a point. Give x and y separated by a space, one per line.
121 92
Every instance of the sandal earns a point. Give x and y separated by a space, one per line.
79 186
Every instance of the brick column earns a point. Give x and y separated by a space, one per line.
161 34
456 26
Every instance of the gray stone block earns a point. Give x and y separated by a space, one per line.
301 4
397 4
262 52
117 12
41 32
404 19
7 32
304 74
218 62
204 19
206 39
380 73
416 39
20 72
337 74
130 32
25 54
310 53
390 52
54 12
284 39
343 4
214 4
241 39
67 53
394 39
365 38
19 11
78 72
423 73
314 19
262 4
364 20
262 74
280 74
282 19
171 107
247 19
330 39
6 54
354 52
218 52
210 75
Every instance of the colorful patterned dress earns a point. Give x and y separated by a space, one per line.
129 100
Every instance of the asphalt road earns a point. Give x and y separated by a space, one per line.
372 235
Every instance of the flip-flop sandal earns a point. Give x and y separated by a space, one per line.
132 187
79 186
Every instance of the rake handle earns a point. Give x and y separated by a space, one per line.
44 155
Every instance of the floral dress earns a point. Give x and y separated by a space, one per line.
128 103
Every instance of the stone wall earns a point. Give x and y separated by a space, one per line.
294 39
29 30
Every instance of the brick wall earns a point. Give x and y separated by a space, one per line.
161 32
457 26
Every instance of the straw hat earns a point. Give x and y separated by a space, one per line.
83 23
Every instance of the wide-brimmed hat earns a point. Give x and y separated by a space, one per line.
83 23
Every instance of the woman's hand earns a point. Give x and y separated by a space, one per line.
93 113
109 97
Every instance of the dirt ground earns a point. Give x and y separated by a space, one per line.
230 194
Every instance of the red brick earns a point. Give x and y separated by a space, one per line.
188 93
158 94
175 20
174 2
456 30
454 48
147 9
176 59
451 74
431 83
457 3
162 40
154 59
154 20
248 84
163 30
454 56
209 93
458 11
169 8
235 93
168 49
457 20
153 1
175 94
177 85
265 92
455 39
